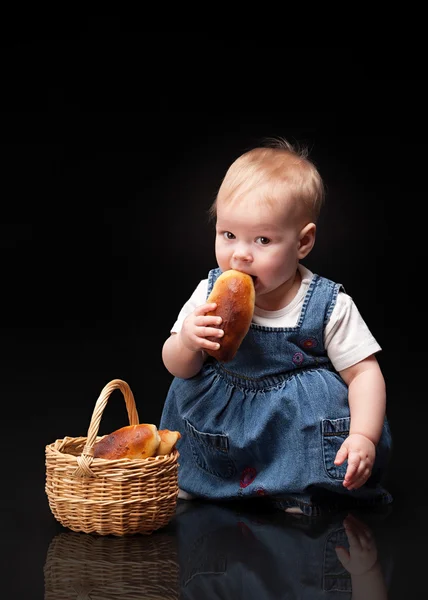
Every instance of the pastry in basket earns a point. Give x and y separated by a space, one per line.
168 439
136 441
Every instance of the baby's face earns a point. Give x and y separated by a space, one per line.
261 239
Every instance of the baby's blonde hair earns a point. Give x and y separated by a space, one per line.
283 169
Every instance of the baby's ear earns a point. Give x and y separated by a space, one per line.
306 240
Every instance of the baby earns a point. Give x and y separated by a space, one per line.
299 415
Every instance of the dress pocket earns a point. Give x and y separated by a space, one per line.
210 451
334 433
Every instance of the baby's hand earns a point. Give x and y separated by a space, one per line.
360 452
197 327
362 555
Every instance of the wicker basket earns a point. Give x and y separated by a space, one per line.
112 568
118 497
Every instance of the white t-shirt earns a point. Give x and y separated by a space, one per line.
347 339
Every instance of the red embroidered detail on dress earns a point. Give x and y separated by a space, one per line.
297 358
260 491
247 477
310 343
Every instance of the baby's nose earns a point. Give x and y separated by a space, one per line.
242 254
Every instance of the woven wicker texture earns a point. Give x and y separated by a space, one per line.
80 566
95 495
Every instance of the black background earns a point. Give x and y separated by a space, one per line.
113 146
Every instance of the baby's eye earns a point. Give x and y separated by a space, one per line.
228 235
264 241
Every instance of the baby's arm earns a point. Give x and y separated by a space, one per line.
367 404
182 352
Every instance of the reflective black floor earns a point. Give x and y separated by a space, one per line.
212 551
226 552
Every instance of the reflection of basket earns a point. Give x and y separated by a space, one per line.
107 568
118 497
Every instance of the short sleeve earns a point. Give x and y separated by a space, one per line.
347 337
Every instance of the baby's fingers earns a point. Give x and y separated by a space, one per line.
359 479
210 332
342 455
202 319
204 308
363 472
208 345
353 472
343 555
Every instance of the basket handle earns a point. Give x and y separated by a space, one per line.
85 459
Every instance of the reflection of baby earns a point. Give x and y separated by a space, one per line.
225 553
361 561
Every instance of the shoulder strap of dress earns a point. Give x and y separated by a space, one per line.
212 276
319 301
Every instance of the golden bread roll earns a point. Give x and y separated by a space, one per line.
234 294
132 441
136 441
168 441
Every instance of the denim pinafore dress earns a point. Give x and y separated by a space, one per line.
270 422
